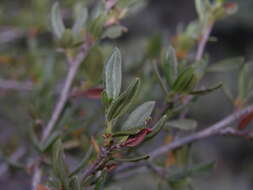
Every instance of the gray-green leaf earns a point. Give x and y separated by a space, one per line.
80 20
114 31
183 124
113 74
56 21
122 103
59 166
226 65
139 116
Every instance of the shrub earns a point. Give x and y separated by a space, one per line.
99 121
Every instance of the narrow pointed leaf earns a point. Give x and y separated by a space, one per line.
243 82
170 66
122 103
74 183
35 140
59 166
56 21
200 8
52 138
206 90
157 128
113 74
139 116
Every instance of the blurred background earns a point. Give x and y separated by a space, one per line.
25 38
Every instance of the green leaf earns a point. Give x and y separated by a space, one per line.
200 8
34 139
157 128
154 46
95 27
50 140
206 90
170 65
105 100
67 40
59 166
179 178
114 31
113 74
74 183
186 81
100 184
80 20
181 183
56 21
139 116
243 82
93 65
182 155
122 104
202 168
183 124
126 133
226 65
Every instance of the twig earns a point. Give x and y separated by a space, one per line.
73 67
218 128
101 161
234 132
37 174
203 41
200 51
210 131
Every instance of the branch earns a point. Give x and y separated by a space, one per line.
203 41
234 132
210 131
218 128
73 67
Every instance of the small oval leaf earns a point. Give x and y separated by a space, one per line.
114 31
183 124
139 116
